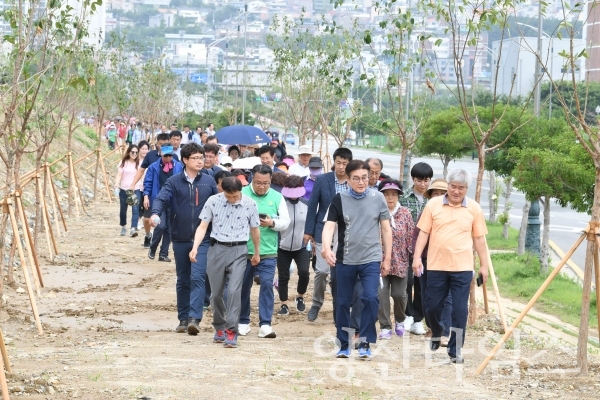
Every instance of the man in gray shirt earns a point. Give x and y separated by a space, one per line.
233 215
362 218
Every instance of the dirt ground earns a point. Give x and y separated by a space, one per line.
109 315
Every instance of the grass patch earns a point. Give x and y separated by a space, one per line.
87 136
519 279
497 242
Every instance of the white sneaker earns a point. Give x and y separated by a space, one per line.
243 329
408 321
417 328
265 331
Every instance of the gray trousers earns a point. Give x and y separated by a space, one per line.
321 273
226 262
394 287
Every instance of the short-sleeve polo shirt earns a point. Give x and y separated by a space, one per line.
451 231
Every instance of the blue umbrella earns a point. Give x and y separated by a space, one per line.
242 134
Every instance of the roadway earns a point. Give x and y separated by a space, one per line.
566 225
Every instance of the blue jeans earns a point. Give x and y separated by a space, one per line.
135 210
266 297
190 279
346 282
446 313
439 285
162 231
356 308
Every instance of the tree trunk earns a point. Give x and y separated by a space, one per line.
402 161
445 162
98 155
545 237
523 229
507 206
10 275
3 226
472 299
492 196
582 340
70 192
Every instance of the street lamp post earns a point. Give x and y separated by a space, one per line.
244 64
532 234
538 57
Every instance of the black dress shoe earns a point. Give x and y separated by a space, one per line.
434 344
164 258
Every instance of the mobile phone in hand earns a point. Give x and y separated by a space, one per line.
262 216
479 280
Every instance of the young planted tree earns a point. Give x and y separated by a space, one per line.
467 22
552 172
298 72
387 57
572 92
445 135
42 46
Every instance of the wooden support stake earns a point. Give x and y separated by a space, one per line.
597 273
33 251
7 366
47 226
103 157
492 275
73 183
15 227
46 213
75 162
3 382
27 233
535 297
56 198
79 190
48 177
107 186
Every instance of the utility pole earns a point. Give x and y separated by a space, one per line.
237 70
244 64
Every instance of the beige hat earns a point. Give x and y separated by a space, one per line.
436 184
305 149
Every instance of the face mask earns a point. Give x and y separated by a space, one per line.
314 172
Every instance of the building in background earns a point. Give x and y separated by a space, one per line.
592 40
516 59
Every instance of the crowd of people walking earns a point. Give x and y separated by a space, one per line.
392 257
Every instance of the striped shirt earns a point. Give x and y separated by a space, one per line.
230 222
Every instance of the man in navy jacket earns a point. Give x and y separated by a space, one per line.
185 194
156 176
326 186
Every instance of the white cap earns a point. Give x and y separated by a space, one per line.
226 160
305 149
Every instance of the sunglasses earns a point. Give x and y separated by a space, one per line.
133 152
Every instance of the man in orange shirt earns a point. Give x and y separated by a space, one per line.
453 224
